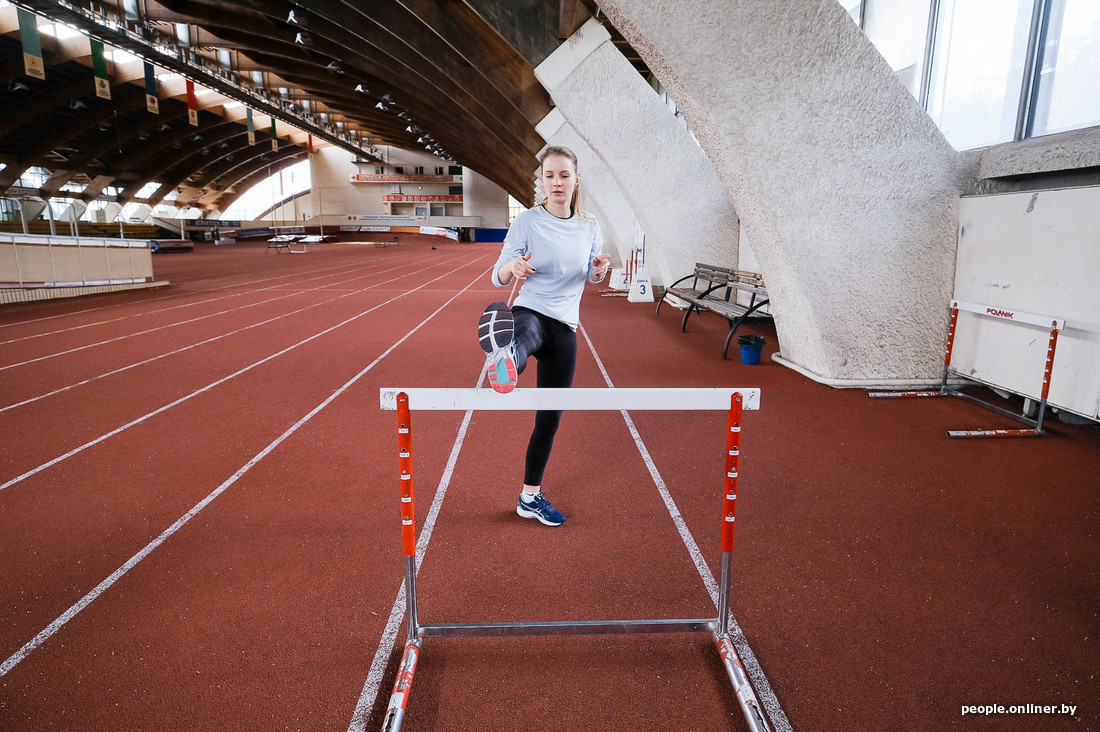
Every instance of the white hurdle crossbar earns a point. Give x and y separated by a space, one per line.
1035 426
733 400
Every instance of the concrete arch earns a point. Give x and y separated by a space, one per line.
600 193
844 185
667 180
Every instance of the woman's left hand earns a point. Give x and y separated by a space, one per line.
600 264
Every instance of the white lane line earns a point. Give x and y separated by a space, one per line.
172 325
373 684
103 586
183 290
163 310
225 335
208 387
752 667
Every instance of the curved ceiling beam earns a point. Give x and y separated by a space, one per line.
246 182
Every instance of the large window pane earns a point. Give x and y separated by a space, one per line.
1068 94
899 30
853 8
977 69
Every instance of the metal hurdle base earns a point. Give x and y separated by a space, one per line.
577 399
1034 426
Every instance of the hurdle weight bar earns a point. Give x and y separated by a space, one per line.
733 400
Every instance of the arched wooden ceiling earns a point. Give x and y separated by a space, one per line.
454 77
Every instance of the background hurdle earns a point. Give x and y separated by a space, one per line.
1036 425
404 401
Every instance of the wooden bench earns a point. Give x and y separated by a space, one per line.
715 289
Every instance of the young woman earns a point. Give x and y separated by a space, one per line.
552 249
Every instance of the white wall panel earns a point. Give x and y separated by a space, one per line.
1035 252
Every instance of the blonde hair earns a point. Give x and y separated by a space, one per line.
574 202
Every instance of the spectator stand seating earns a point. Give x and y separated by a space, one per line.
715 289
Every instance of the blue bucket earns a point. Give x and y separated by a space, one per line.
751 347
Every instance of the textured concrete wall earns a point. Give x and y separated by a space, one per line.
1071 150
667 180
844 185
482 197
600 192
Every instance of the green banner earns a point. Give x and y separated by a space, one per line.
99 68
32 44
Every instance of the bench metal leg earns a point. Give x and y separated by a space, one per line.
684 322
737 324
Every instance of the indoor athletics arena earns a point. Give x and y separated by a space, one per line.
562 365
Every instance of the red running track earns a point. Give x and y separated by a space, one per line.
198 505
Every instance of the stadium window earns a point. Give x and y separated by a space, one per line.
899 30
454 170
978 69
855 9
514 209
1067 88
992 71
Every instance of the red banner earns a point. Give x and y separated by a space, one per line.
192 104
399 198
404 178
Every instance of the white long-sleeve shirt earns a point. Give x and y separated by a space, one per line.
561 253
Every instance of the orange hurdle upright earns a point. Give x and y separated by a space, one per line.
1035 426
585 400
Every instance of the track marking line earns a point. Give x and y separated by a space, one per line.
183 290
372 686
208 387
103 586
752 667
218 337
170 325
142 314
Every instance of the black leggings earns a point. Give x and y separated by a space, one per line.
554 345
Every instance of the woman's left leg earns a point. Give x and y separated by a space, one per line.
557 361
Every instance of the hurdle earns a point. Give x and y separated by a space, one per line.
1035 426
405 401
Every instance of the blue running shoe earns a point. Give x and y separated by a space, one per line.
540 508
495 331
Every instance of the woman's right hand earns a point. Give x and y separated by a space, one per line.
521 267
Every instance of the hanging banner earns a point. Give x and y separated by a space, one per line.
32 45
274 137
251 127
309 145
151 102
192 104
99 68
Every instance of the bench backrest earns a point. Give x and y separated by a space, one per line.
712 273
